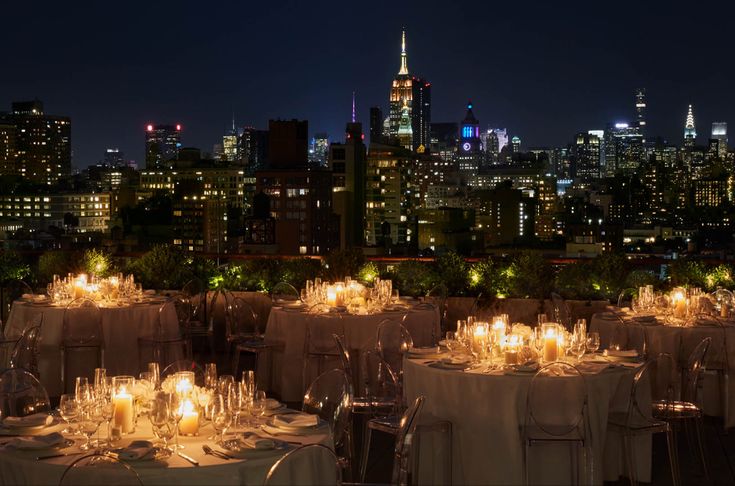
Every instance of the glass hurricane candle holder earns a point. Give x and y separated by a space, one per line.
124 415
551 337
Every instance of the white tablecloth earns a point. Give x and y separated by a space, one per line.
121 327
487 412
20 467
287 329
679 342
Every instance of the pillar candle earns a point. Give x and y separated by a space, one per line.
551 346
124 413
189 424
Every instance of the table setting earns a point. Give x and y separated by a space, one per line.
361 309
167 429
491 363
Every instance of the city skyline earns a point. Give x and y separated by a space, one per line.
178 86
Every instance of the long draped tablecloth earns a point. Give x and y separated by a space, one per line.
20 467
679 342
121 327
487 412
287 330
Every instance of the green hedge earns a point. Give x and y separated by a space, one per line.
524 274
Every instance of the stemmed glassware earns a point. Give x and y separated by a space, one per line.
593 342
221 417
69 411
176 410
258 407
162 421
92 418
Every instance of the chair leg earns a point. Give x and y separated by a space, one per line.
629 458
673 456
699 433
63 371
365 452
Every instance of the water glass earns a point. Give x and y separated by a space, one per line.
593 342
69 411
259 405
161 420
155 370
210 376
79 386
221 417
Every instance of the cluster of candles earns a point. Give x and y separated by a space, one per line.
514 344
92 287
348 293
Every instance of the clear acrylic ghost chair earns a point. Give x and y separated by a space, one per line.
330 397
28 346
438 296
562 313
21 394
305 466
405 441
184 365
161 342
556 413
320 349
687 410
96 469
637 419
393 341
82 333
244 336
283 293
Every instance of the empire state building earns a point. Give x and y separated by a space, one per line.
414 93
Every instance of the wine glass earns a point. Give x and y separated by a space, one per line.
176 410
161 421
221 417
258 407
89 424
79 387
155 370
224 382
210 376
100 381
69 411
593 342
108 411
541 318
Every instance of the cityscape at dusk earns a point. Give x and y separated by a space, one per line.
329 243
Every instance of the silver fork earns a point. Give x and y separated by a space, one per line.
209 451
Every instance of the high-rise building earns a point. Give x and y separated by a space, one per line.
586 153
230 145
719 133
288 142
444 140
376 125
640 111
405 130
623 148
318 150
41 143
254 149
348 164
690 132
491 147
415 93
515 144
469 155
113 157
162 144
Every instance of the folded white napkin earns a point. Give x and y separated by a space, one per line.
296 420
35 420
456 360
251 440
593 367
137 450
528 366
36 442
272 403
622 353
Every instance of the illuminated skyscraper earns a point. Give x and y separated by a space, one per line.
415 93
640 111
623 146
586 152
230 146
469 155
690 132
405 131
162 144
318 150
515 144
719 133
41 143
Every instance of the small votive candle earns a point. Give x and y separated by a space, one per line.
189 424
512 346
331 296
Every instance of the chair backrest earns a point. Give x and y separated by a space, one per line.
182 307
184 365
304 466
696 365
330 397
82 323
625 298
27 349
99 469
320 329
562 315
193 287
21 394
643 389
284 293
405 441
217 305
344 356
378 382
665 379
241 319
557 399
12 291
392 341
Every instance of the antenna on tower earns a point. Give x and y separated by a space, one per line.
353 107
233 119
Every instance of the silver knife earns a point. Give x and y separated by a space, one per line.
188 458
51 456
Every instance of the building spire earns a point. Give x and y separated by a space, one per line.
404 60
353 107
690 131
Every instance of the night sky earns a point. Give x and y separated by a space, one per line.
541 69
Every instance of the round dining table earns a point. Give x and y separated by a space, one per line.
122 325
630 330
487 411
286 331
248 467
